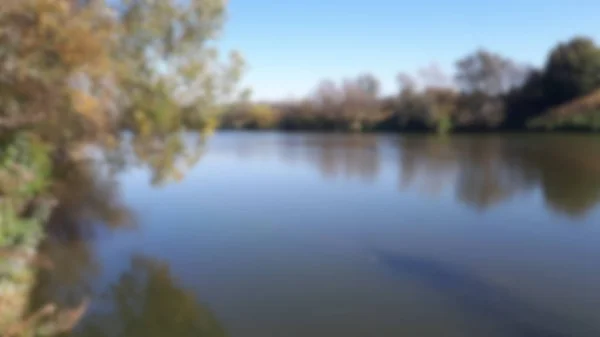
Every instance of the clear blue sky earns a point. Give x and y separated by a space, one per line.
291 44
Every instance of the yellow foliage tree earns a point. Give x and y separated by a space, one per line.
79 72
125 78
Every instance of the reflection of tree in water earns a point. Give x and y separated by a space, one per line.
483 170
87 195
425 161
347 156
69 280
86 199
335 155
489 172
569 173
146 301
481 175
489 169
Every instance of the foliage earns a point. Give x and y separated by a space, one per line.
488 73
24 166
444 125
352 105
442 107
479 111
572 70
490 92
525 102
24 171
15 230
484 77
74 75
250 116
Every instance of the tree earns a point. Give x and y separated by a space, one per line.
525 102
478 110
263 116
572 70
409 108
368 84
248 115
352 105
406 82
75 74
432 76
361 106
485 77
488 73
441 108
324 110
433 107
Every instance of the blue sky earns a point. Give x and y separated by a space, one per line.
291 44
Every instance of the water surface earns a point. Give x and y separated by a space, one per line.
290 235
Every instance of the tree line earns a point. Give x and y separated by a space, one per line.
487 92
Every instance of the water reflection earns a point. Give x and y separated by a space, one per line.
479 297
569 173
88 203
147 301
481 170
486 170
68 283
88 195
346 156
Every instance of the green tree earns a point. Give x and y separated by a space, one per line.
525 102
572 70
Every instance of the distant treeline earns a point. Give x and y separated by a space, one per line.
487 92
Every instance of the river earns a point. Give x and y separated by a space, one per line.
323 235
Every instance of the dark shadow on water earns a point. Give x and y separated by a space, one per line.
481 299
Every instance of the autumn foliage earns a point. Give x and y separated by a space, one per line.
86 82
79 72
